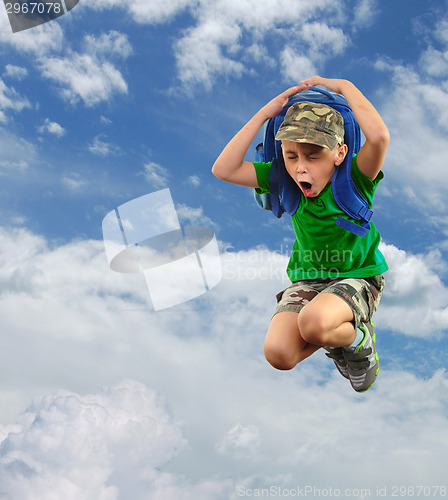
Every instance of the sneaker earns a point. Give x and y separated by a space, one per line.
336 354
363 363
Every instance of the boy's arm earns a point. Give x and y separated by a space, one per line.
371 155
230 165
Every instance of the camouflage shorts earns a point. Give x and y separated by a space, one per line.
361 294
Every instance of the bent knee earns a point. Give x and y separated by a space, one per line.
314 327
279 357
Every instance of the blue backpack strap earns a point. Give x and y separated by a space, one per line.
347 195
345 192
284 194
274 185
263 199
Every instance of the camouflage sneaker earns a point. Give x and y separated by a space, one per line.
363 363
336 354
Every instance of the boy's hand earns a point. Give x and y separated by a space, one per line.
230 165
333 84
273 108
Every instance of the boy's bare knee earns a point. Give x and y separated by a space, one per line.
278 356
313 327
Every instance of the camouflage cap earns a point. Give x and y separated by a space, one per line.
312 123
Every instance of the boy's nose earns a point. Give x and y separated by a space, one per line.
301 167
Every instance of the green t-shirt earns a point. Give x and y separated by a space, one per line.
322 249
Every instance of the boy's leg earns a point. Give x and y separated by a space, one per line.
284 346
330 313
328 321
307 319
332 317
324 322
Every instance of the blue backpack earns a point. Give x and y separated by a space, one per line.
284 194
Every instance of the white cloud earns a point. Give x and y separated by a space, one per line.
17 72
193 180
228 33
194 216
365 13
102 148
259 54
316 42
435 62
10 100
441 31
415 109
156 175
145 12
19 220
83 77
52 128
107 445
105 121
89 76
295 67
202 53
17 153
230 38
415 300
323 40
74 182
112 43
240 440
10 166
37 42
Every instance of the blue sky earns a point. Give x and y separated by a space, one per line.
101 397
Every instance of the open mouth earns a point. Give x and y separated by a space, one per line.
306 188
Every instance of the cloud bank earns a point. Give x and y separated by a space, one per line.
244 423
106 446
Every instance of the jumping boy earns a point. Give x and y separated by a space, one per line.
333 311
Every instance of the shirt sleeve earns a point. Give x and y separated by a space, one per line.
263 171
366 186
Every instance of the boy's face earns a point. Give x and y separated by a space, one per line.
311 166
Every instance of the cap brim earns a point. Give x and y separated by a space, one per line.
306 135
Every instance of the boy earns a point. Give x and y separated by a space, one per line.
335 310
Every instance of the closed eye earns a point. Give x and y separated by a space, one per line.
293 156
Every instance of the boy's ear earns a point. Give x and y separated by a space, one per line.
341 154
